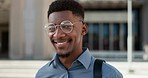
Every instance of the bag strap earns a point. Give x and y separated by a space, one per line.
98 68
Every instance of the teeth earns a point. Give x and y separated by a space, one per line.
60 43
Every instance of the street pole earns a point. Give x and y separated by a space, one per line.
130 48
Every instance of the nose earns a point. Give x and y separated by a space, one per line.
58 33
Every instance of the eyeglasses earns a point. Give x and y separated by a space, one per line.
65 26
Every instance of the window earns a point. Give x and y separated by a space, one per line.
110 34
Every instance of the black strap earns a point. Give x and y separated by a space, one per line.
98 68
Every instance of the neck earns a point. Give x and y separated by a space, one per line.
70 59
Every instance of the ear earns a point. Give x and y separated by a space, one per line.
84 29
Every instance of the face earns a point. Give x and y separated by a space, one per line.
67 44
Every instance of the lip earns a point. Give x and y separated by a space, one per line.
61 43
59 40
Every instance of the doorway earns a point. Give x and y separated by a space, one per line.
4 45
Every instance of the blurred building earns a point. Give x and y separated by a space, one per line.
22 35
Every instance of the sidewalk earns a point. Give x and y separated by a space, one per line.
28 68
138 69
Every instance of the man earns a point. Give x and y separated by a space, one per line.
66 29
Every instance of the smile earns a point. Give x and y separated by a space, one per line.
61 42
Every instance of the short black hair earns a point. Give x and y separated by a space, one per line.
62 5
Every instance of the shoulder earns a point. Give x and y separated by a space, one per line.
108 71
43 70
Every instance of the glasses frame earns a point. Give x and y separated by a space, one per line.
46 27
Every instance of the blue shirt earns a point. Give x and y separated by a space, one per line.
82 67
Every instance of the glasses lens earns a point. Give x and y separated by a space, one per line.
66 26
51 28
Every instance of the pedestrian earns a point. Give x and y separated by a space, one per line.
66 28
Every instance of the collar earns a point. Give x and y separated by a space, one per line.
53 60
84 59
